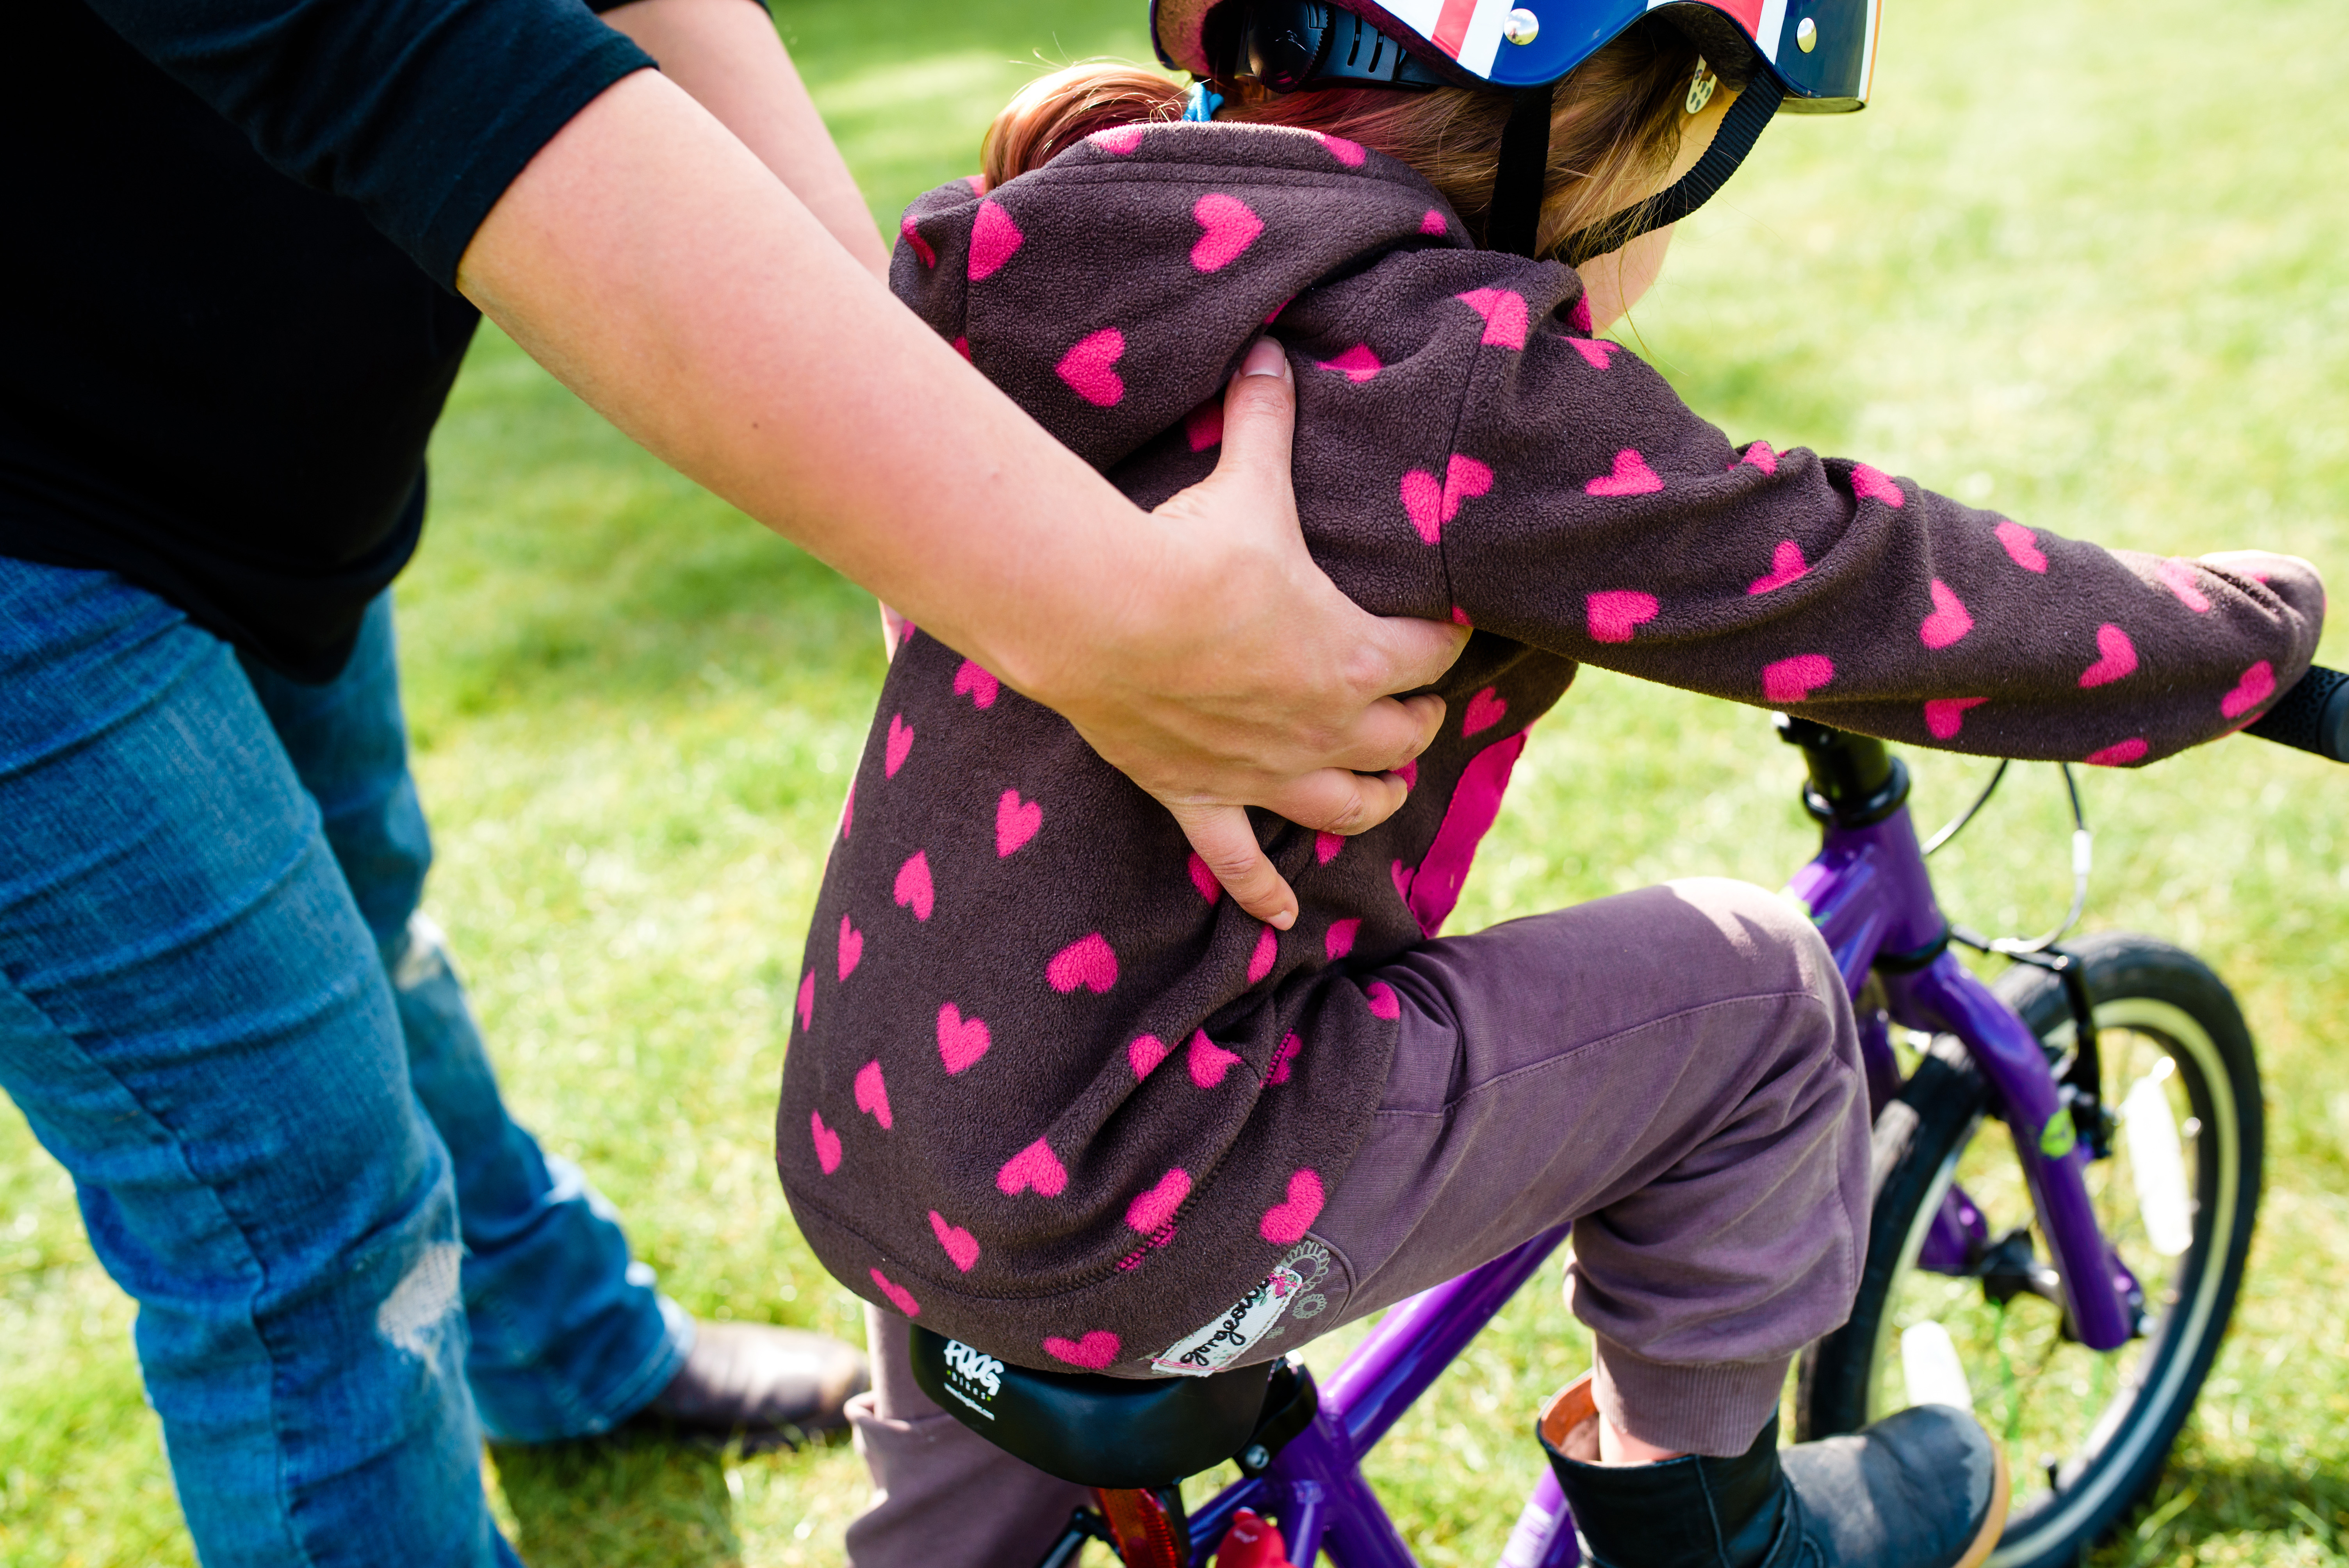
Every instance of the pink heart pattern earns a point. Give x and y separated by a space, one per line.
1016 821
1503 312
1632 475
2022 547
913 889
1090 367
2258 684
1154 1210
899 745
1409 774
1875 484
899 1296
1484 710
848 810
1326 847
1203 426
1790 681
807 1000
976 684
1433 224
827 1143
1282 1055
1286 1222
1947 623
1614 614
1088 962
1357 364
1144 1054
1202 878
1339 941
994 240
1595 350
1786 564
1382 1001
2177 576
1119 140
1035 1166
2115 657
1268 950
1208 1062
1759 456
1348 153
1430 505
2118 755
852 947
1093 1352
960 1244
1227 227
961 1041
871 1094
1945 715
911 235
1402 874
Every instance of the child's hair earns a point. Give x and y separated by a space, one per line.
1614 131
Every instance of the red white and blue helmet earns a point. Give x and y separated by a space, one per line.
1820 53
1812 56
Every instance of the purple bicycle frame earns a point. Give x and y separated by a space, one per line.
1870 895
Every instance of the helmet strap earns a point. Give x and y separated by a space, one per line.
1739 128
1521 175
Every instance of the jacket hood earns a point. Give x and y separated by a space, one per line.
1058 285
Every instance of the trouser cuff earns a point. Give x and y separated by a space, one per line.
1713 1408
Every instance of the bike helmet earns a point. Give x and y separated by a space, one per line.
1806 56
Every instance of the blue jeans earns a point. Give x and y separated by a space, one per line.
221 1011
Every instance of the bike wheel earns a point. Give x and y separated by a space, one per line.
2086 1433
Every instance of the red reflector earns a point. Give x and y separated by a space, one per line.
1149 1525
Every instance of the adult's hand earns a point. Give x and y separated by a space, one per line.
650 260
1240 676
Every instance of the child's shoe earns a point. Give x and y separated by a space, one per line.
1924 1488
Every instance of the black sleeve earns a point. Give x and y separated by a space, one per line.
421 111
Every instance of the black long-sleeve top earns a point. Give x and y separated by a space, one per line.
232 229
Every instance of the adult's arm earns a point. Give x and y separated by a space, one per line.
649 260
643 253
727 55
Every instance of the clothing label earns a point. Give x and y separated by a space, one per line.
1288 1290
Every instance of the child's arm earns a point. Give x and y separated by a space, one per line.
1620 529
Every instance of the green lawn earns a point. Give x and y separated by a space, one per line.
2083 262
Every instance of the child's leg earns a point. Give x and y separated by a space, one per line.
943 1497
1676 1069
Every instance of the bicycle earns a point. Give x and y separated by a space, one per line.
2143 1201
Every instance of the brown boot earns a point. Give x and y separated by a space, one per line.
764 1385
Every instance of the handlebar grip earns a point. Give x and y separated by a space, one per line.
2313 715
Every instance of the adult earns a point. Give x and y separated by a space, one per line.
231 329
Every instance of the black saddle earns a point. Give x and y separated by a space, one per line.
1116 1432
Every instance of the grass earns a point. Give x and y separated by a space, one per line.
2081 261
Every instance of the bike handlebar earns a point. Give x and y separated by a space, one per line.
2313 715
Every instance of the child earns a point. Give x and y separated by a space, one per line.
1052 1095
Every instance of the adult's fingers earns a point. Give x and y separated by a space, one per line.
1335 801
1407 653
1259 420
1388 734
1226 841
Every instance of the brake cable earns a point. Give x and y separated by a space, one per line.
2082 858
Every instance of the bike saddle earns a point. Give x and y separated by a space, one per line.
1097 1431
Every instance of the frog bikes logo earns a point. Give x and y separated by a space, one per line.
976 1368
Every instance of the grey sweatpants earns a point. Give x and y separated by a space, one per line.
1675 1069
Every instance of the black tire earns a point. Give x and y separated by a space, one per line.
2114 1416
